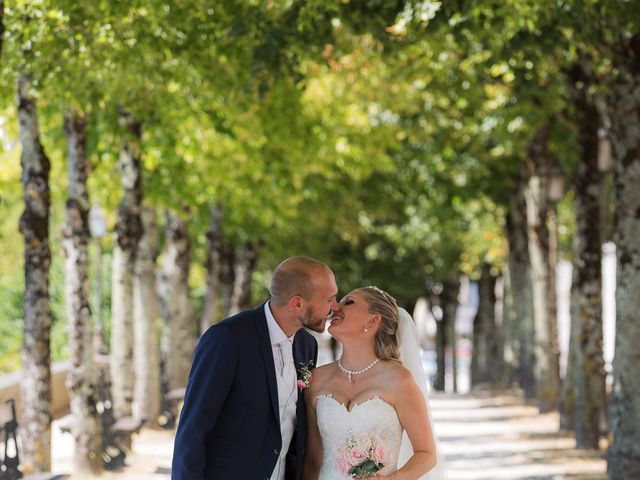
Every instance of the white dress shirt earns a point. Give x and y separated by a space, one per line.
287 394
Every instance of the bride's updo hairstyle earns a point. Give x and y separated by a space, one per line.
384 304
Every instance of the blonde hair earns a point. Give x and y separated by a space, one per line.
385 305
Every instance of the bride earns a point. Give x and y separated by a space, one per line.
368 413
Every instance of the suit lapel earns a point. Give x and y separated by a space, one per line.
299 361
267 356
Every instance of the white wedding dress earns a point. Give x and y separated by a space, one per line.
376 418
373 418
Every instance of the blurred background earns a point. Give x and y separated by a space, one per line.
479 161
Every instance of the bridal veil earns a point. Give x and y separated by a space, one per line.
409 341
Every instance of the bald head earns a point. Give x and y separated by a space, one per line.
294 276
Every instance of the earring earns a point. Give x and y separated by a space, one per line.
366 329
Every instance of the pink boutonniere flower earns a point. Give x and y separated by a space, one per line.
304 375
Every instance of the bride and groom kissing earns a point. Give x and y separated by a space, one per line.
255 408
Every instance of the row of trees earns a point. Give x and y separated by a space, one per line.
402 142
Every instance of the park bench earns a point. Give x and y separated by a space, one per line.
171 407
10 464
10 459
116 433
122 429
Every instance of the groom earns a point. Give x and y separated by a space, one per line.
243 415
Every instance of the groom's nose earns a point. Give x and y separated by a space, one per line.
335 306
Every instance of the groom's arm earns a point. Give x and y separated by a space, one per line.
212 373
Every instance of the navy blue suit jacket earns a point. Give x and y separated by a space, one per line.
229 426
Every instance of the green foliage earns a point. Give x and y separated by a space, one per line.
378 136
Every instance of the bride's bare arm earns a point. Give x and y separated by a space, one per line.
413 416
313 450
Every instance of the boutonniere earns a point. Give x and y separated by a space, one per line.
304 375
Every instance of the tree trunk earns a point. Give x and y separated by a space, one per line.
245 263
624 452
147 325
475 350
227 276
546 367
509 341
568 394
34 226
500 376
486 361
450 289
1 24
587 274
441 342
214 267
520 314
81 382
552 300
99 346
128 233
180 326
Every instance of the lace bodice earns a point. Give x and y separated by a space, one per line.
372 419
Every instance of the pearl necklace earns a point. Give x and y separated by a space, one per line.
352 373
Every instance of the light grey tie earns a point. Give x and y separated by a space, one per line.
281 354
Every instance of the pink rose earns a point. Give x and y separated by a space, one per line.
342 466
301 384
378 454
357 455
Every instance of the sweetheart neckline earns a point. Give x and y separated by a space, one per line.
355 405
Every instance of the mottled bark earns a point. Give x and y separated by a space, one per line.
34 226
509 343
568 394
519 315
441 341
227 277
245 262
210 313
624 450
485 362
81 381
99 346
147 324
180 325
450 289
474 372
546 351
498 366
128 233
1 24
586 290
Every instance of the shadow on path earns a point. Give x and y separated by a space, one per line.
498 437
483 437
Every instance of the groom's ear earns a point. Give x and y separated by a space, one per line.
295 302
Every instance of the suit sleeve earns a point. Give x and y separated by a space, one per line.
212 373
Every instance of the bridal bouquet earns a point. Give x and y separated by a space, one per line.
361 457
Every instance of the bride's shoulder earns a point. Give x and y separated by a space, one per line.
397 373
